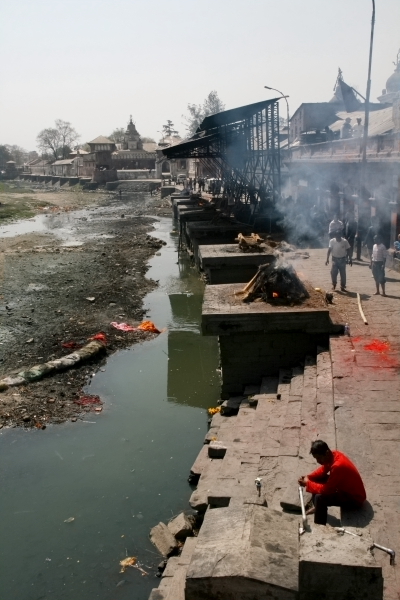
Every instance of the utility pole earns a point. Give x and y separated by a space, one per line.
363 173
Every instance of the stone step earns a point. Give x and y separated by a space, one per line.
173 582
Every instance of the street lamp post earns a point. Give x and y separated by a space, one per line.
367 95
287 110
363 174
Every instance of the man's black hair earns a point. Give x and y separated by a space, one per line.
319 447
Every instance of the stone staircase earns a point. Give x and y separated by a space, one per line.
266 433
269 437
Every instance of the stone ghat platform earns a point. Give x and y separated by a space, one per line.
225 263
258 339
207 232
346 392
248 547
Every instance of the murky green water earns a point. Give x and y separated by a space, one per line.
118 473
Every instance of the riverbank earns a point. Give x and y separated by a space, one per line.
79 266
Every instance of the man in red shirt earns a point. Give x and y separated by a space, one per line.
336 483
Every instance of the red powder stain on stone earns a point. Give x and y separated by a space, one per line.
377 346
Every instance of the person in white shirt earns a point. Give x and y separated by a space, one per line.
335 227
378 259
340 249
358 130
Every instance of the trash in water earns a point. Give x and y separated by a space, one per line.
130 561
69 520
88 400
145 326
213 411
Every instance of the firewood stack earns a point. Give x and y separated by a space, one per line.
277 284
249 243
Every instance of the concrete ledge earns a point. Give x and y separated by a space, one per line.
244 553
224 313
338 567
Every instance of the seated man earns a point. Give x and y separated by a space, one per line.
336 483
397 247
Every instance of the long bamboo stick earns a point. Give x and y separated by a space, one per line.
360 309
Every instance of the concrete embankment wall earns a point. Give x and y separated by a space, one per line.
248 357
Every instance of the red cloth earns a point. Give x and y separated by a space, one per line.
343 476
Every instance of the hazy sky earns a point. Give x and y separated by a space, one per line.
95 62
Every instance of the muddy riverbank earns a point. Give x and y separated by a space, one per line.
78 267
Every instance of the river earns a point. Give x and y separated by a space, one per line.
119 473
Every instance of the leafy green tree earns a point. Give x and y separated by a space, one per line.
5 156
198 112
18 154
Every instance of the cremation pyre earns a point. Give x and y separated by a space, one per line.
277 283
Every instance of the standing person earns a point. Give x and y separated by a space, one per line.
378 259
339 248
369 238
350 232
347 130
335 227
337 482
358 130
396 246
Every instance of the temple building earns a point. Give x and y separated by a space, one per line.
133 153
392 90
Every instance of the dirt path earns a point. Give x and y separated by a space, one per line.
46 279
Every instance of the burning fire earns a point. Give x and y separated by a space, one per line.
275 295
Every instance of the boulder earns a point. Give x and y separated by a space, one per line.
180 527
216 449
163 539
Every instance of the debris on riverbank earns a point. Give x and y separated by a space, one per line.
47 277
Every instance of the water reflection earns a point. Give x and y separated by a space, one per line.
118 473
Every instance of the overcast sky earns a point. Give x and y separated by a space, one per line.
95 62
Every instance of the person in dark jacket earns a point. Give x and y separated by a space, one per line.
369 238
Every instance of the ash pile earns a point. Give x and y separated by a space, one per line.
276 283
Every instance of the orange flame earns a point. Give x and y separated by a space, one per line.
275 295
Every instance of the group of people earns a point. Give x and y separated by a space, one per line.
341 251
192 183
352 131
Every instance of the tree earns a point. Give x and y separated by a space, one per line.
117 135
168 129
57 140
18 154
5 156
147 140
198 112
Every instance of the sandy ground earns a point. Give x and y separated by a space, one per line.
46 279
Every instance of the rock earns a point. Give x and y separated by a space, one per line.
90 298
291 498
30 341
216 450
180 527
163 539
